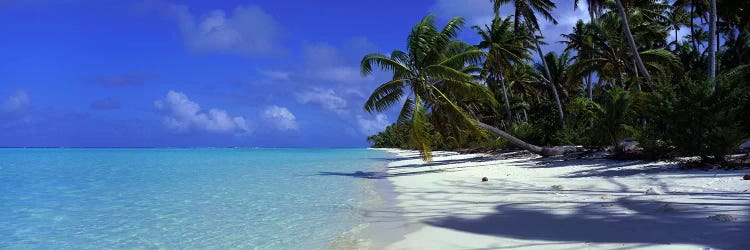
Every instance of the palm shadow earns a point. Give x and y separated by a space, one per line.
598 223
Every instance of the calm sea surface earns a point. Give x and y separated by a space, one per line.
181 198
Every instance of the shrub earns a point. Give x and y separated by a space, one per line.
689 119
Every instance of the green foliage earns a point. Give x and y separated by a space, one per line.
392 137
670 109
689 119
435 70
397 136
610 116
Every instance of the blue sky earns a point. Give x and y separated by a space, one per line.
206 73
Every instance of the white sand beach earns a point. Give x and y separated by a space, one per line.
553 203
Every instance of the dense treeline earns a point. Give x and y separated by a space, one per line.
624 74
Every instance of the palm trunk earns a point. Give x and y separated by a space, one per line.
525 116
505 96
549 76
631 41
543 151
636 73
692 25
711 46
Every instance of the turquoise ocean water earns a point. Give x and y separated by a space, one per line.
181 198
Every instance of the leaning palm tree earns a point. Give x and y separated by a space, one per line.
526 11
431 59
631 42
434 72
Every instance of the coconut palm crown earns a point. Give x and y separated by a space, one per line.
434 70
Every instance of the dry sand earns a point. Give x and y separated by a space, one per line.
552 203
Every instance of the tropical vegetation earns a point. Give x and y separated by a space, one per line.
625 74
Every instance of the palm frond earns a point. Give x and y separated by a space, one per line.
382 61
385 96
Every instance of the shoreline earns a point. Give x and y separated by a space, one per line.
381 222
384 218
554 203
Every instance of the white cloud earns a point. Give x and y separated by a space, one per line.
248 30
374 125
183 115
16 102
281 117
326 98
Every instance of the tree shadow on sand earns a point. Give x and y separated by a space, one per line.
640 222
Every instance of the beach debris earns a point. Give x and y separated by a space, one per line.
746 177
667 208
558 187
608 205
653 191
722 217
485 179
606 197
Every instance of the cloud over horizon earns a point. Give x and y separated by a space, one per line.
181 115
281 118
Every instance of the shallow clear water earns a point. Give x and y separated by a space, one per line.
180 198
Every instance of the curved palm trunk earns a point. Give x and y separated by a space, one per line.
631 41
549 76
543 151
711 46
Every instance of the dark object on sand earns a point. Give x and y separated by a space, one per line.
746 177
487 179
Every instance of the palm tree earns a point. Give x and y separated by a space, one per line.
595 8
559 66
736 51
504 46
676 19
432 58
582 41
698 9
610 115
527 10
434 71
601 50
622 12
631 42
